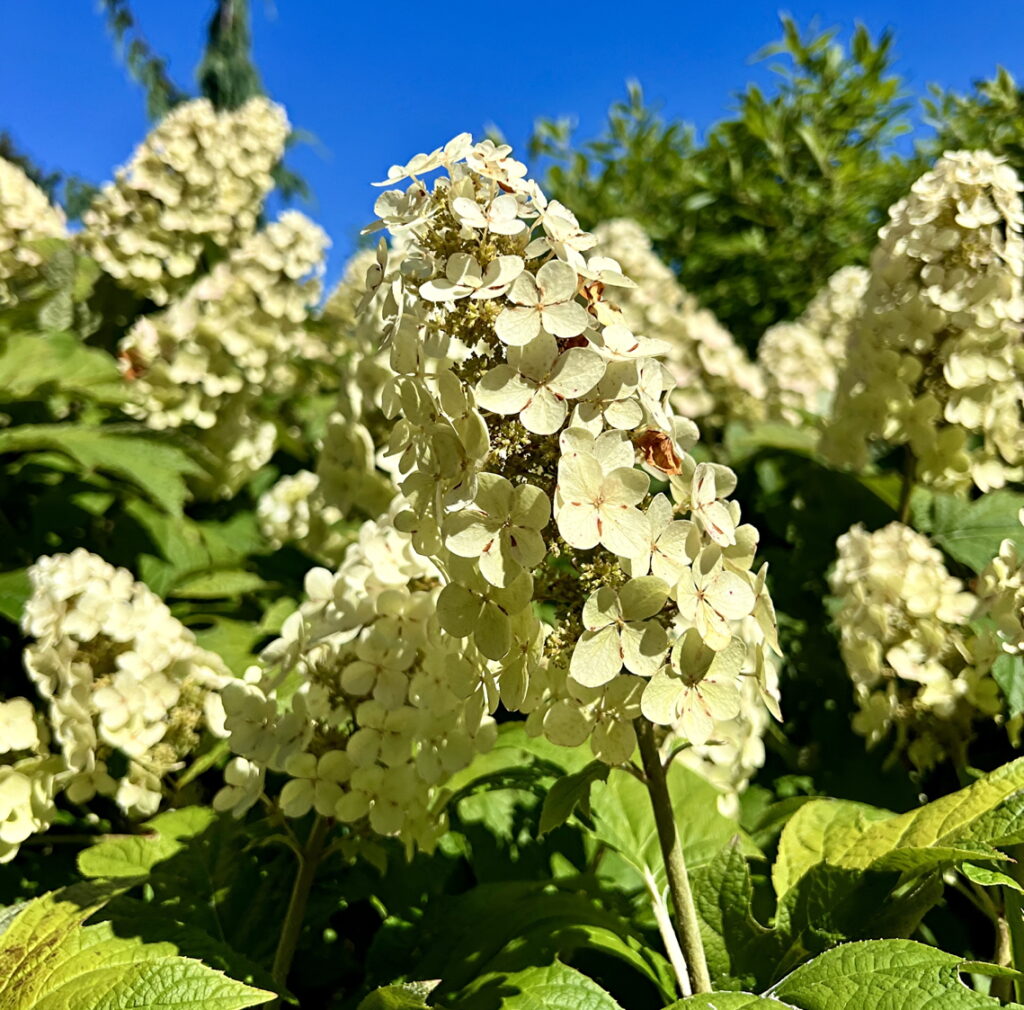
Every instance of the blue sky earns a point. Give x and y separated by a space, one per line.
378 82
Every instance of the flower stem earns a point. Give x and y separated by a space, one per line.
907 488
687 923
309 860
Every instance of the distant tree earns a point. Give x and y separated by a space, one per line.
991 117
226 74
758 214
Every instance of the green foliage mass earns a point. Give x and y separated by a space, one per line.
756 215
844 877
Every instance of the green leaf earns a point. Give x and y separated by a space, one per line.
551 987
568 793
971 531
204 871
14 592
28 363
136 855
1008 673
509 927
966 825
217 585
743 441
49 960
729 1001
234 641
896 974
408 996
624 820
989 878
155 466
734 940
807 836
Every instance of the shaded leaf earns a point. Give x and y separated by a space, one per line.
49 960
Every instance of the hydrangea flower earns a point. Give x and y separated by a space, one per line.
120 675
537 381
698 689
200 177
905 638
502 530
594 507
710 596
550 390
542 303
26 217
465 278
933 357
619 632
672 546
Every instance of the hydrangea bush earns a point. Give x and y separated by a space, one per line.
427 630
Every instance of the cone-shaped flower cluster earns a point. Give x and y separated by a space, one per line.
388 705
715 380
26 216
801 360
935 358
124 682
529 424
211 360
194 186
916 666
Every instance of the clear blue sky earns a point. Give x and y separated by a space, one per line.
377 82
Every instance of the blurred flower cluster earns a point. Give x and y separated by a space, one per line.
26 218
192 191
127 694
934 359
919 669
715 380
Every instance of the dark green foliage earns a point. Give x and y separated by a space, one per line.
991 117
226 74
756 215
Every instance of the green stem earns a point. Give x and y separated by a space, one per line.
309 860
687 922
1013 912
907 488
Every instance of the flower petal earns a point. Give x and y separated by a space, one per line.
597 658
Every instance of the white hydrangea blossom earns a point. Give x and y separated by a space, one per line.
933 360
832 313
26 216
356 478
212 358
119 675
735 750
715 380
916 667
197 181
801 360
27 790
388 707
1000 614
799 375
294 512
529 421
28 776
